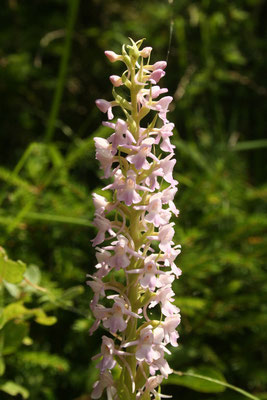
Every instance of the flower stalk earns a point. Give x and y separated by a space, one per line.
135 268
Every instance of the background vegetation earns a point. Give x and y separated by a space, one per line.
52 69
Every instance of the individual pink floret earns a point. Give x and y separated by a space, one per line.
142 152
98 287
122 136
105 382
160 364
105 106
104 225
107 353
156 76
146 348
167 165
151 384
161 106
100 203
165 279
168 327
167 198
150 271
164 133
155 213
121 258
169 255
127 188
128 192
165 297
104 155
152 180
145 94
165 236
102 267
157 91
115 320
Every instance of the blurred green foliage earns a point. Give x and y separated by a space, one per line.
217 75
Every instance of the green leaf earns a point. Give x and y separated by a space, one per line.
198 384
82 324
14 389
263 396
211 380
32 277
250 145
12 289
33 274
2 366
14 334
52 218
2 320
11 271
44 360
43 319
190 305
18 310
14 310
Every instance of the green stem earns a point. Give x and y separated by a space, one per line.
1 297
134 90
51 124
132 294
134 229
24 157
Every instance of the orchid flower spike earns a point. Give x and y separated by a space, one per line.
136 261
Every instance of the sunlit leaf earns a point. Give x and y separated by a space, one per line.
43 319
11 271
45 360
14 389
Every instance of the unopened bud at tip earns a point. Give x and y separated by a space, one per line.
112 56
146 52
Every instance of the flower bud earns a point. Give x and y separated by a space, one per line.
116 80
159 65
112 56
145 52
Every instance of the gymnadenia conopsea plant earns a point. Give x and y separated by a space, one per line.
136 266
